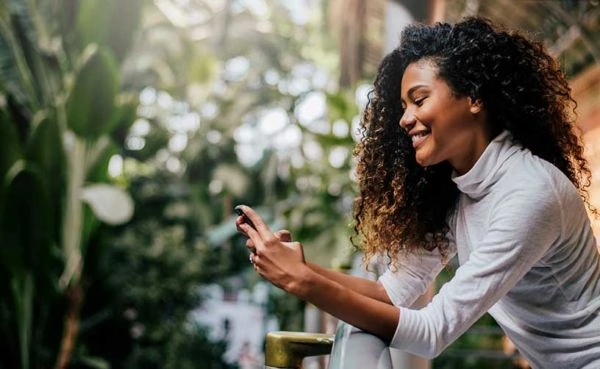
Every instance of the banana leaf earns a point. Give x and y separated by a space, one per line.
91 109
24 220
10 146
25 246
45 151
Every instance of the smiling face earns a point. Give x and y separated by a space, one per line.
442 125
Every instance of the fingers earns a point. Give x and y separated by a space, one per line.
255 219
245 229
256 223
283 236
255 261
261 239
251 258
239 222
250 246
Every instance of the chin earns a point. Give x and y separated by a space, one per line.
422 161
423 164
425 161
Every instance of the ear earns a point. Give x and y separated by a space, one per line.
475 105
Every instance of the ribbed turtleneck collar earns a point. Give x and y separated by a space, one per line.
480 178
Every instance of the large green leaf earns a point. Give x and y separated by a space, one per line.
45 152
91 110
45 146
24 221
10 147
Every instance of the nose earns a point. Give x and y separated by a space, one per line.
407 120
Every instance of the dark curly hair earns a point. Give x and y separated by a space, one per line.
403 207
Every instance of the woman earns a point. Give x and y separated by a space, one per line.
468 149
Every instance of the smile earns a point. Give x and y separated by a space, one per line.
418 138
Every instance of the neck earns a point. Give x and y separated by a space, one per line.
481 137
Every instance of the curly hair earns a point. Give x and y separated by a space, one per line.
403 207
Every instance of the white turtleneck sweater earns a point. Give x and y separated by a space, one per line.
527 256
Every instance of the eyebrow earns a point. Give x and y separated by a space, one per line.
411 91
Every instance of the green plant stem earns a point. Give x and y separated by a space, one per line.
72 231
73 222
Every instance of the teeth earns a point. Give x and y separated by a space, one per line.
418 135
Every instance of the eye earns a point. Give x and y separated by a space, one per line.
420 101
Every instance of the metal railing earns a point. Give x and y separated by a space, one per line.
286 350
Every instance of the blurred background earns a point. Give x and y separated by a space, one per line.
130 128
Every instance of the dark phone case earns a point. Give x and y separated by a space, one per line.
246 219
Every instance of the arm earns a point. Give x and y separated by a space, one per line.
364 312
282 263
401 286
522 227
363 286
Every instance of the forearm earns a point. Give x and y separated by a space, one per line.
362 311
366 287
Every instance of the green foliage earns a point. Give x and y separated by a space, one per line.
340 106
25 249
110 22
91 110
28 227
48 150
150 275
10 144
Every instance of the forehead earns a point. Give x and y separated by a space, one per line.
422 72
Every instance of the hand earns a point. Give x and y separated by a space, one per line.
274 255
282 235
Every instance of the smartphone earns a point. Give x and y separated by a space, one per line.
247 220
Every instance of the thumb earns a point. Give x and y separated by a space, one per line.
284 235
299 248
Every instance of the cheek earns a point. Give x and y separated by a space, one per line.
433 114
448 123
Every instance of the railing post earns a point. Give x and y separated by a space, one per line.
286 350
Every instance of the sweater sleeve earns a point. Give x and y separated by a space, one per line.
522 227
411 278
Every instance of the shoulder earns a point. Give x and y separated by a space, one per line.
529 174
533 191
